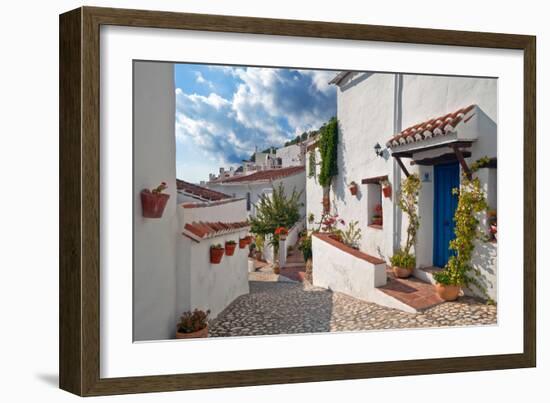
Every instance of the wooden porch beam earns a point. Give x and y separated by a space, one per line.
398 159
460 158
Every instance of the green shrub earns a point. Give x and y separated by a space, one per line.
403 259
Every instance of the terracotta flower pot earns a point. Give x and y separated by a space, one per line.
386 190
193 335
447 292
401 272
377 221
153 204
353 189
248 240
216 255
230 248
276 269
242 243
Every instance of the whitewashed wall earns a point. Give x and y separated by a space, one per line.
366 116
204 285
290 155
340 271
228 211
154 239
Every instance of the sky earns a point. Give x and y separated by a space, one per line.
224 112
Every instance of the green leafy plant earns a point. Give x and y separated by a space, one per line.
259 242
407 201
471 201
231 242
216 246
328 148
279 210
305 247
311 218
351 235
403 260
193 321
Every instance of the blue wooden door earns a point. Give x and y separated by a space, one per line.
446 177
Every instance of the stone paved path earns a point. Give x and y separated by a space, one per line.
278 305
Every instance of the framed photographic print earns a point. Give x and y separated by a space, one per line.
250 201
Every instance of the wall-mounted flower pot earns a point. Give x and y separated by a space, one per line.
353 189
248 239
216 255
153 204
386 191
447 292
193 335
242 243
230 248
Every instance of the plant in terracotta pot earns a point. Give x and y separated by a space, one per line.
402 264
230 247
154 201
458 271
353 188
216 253
276 268
377 216
386 188
403 261
243 242
193 324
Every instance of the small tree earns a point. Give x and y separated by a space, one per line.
279 210
408 202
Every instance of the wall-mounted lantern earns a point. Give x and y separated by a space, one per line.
378 149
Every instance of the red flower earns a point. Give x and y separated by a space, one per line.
281 231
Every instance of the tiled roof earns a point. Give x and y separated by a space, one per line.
200 230
439 126
210 204
266 175
200 191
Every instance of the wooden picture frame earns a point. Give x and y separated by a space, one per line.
79 200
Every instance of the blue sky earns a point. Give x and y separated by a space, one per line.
223 113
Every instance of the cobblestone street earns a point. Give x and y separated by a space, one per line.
278 305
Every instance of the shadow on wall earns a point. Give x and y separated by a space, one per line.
484 259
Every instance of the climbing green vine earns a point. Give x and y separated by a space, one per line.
408 202
328 148
471 201
312 164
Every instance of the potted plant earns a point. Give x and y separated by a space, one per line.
230 247
447 285
154 201
193 324
353 188
281 233
386 188
276 268
216 253
243 242
259 241
377 217
402 264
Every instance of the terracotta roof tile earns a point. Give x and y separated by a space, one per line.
430 128
202 230
266 175
200 191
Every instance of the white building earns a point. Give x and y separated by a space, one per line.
433 125
172 269
253 185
